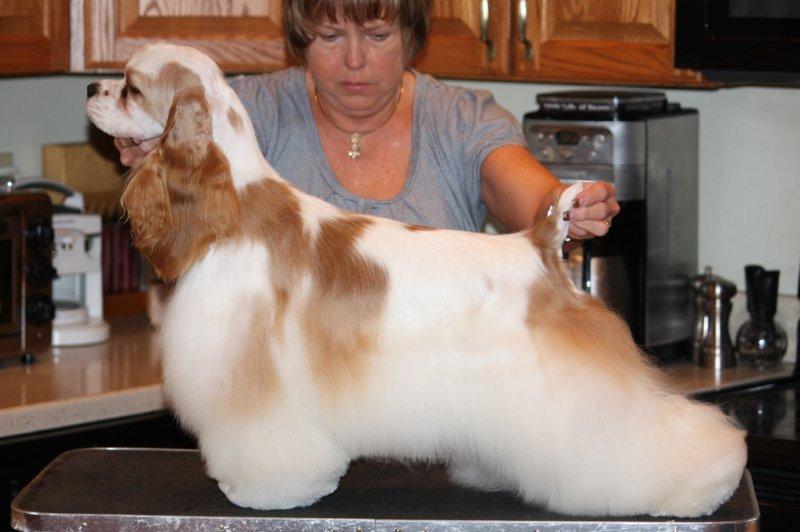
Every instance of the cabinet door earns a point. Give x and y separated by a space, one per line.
241 35
605 41
34 36
468 38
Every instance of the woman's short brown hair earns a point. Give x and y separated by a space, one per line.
301 18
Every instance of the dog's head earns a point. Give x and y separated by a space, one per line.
181 198
157 77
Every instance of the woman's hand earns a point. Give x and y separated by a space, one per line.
592 210
131 153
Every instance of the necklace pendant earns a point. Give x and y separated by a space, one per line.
355 149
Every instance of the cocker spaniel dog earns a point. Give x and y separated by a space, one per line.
300 336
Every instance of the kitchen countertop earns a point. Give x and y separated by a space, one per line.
692 379
122 377
74 385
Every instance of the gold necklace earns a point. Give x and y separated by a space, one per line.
355 136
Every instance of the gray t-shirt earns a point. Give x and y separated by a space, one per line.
454 130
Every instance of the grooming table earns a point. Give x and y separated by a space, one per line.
154 489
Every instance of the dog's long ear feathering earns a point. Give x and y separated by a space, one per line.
181 198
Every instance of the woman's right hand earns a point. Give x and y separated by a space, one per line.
131 153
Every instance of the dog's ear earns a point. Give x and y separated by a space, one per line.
188 133
181 199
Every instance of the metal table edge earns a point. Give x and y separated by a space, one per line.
20 518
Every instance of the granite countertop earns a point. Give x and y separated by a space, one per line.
122 377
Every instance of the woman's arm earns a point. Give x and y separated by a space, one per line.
515 188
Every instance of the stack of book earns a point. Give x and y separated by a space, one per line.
123 270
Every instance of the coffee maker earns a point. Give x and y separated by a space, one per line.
78 291
648 148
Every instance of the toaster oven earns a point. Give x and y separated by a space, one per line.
26 275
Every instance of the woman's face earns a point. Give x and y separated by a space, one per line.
357 69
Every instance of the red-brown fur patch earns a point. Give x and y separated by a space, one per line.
181 199
559 318
236 121
343 318
254 381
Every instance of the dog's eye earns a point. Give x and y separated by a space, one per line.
129 89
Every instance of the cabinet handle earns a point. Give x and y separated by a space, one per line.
522 19
490 51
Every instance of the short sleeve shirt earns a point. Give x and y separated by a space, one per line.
453 130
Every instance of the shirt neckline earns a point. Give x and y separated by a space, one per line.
322 160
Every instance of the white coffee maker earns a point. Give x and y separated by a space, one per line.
78 290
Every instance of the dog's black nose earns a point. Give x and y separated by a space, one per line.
92 89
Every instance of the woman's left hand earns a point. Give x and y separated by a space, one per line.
593 210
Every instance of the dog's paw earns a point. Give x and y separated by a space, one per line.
476 477
719 456
276 496
703 494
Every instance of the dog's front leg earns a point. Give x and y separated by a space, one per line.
279 463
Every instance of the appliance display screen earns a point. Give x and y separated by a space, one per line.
569 138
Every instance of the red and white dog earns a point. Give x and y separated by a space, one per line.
300 337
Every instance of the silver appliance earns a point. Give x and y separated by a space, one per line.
648 148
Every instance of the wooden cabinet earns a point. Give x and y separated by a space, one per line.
468 39
34 36
569 41
241 35
607 41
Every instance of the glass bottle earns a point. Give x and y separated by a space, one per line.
761 342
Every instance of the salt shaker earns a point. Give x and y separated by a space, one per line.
717 349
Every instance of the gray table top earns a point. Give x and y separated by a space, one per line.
140 489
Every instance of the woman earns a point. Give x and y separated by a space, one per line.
358 128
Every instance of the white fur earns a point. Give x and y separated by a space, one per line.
456 376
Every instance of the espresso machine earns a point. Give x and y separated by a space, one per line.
648 148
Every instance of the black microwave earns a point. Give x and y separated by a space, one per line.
744 41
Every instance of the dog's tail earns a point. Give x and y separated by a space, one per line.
550 232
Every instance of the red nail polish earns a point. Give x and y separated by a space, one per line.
566 216
576 202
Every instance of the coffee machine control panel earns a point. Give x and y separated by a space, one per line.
570 144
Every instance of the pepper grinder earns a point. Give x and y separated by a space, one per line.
717 349
697 285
